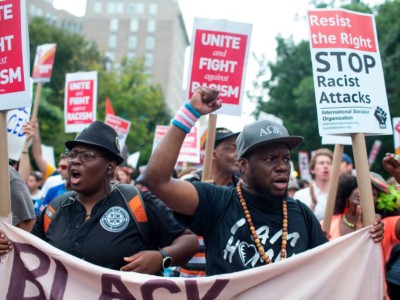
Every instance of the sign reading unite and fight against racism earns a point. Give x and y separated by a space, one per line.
121 126
218 60
80 100
190 150
348 76
14 55
44 60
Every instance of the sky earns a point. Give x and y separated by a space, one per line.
269 18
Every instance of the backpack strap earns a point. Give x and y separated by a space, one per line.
136 209
54 206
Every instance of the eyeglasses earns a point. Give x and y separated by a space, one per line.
83 155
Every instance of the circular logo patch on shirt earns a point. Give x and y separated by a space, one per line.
115 219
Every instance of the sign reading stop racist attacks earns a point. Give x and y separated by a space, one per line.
14 55
43 64
348 77
80 100
218 60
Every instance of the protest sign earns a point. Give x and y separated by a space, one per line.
396 134
80 100
16 119
43 64
190 150
14 55
335 139
374 151
121 126
348 76
218 60
36 270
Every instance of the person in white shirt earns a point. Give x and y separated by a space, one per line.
315 195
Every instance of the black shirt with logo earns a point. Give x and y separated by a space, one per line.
110 234
220 219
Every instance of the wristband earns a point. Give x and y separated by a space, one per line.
186 117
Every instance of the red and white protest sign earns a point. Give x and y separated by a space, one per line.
80 100
218 60
190 150
43 64
14 55
121 126
348 76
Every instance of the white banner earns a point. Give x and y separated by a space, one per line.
36 269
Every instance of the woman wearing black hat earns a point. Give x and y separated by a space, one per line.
102 223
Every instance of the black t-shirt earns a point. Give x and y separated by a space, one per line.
219 218
110 234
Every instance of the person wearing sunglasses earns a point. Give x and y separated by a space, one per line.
94 222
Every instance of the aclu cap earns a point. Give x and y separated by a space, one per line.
101 135
264 132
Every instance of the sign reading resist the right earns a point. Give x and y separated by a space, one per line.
348 77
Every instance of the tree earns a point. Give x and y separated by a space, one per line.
133 96
290 87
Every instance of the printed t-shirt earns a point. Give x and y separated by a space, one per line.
219 218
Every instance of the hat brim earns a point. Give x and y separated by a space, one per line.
229 135
72 144
291 141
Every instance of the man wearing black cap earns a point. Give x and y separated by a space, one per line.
99 223
225 166
248 226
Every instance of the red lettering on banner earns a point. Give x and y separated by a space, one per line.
20 275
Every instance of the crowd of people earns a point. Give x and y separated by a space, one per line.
84 205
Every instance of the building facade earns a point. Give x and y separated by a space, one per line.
150 29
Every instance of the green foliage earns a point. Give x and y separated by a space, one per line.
129 88
388 202
291 90
73 54
135 99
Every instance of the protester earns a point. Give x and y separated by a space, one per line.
293 187
347 217
315 196
93 222
56 179
223 173
346 166
23 214
255 216
33 184
124 175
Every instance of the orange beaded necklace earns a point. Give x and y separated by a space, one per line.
253 231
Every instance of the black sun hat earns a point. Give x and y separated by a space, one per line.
261 133
100 135
222 133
